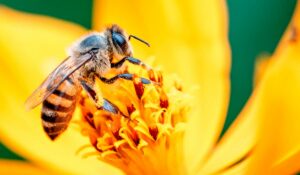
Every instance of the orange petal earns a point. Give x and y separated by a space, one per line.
13 167
188 38
29 47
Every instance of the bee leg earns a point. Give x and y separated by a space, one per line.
131 60
89 88
124 76
108 106
100 104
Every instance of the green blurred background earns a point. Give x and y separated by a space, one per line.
255 28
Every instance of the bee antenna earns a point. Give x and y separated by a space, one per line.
139 39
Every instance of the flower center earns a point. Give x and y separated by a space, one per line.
145 136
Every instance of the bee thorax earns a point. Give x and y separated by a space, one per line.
93 41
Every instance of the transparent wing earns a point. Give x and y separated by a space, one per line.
64 70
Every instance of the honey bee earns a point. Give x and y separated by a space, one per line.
89 58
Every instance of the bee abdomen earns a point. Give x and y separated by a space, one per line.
58 109
63 94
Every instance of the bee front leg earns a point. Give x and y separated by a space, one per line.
124 76
110 107
132 61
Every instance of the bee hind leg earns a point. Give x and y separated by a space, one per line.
104 104
110 107
91 91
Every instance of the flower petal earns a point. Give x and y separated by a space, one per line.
270 115
29 46
238 142
278 97
240 168
279 110
261 65
13 167
190 39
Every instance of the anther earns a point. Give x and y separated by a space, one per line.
151 75
159 78
164 103
153 130
138 86
130 109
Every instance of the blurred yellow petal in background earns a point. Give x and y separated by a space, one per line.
277 103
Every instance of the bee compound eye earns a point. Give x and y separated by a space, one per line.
118 39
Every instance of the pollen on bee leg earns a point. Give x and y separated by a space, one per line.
143 142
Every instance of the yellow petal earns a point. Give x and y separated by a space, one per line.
13 167
279 110
237 144
30 46
261 65
236 169
241 140
274 103
278 151
188 38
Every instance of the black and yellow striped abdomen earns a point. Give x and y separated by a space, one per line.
58 108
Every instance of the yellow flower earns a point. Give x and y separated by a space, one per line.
189 39
145 135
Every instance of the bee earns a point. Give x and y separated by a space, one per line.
89 58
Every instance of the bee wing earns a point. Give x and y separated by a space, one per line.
56 77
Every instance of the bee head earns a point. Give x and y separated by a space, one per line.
120 41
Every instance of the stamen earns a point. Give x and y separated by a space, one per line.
151 75
153 131
164 103
130 109
136 143
139 87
